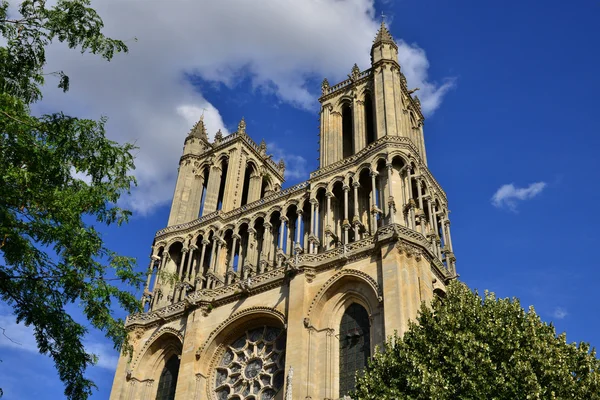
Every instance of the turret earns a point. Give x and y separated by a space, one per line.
384 47
197 140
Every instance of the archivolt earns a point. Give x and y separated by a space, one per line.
236 317
344 274
155 336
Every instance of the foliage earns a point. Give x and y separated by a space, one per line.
60 175
469 347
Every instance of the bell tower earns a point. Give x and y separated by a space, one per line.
369 105
230 172
250 285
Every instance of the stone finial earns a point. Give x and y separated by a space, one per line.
383 35
324 85
281 165
242 126
199 129
403 80
218 136
417 102
262 147
355 72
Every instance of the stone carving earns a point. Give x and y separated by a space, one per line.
324 86
242 127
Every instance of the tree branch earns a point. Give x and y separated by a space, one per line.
6 336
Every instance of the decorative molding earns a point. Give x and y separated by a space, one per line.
153 338
240 314
341 275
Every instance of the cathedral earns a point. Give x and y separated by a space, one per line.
255 292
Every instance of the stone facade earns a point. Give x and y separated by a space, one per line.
249 284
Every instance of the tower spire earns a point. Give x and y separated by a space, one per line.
384 47
199 130
383 35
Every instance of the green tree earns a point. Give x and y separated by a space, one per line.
469 347
51 255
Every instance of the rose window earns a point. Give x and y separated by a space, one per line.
252 366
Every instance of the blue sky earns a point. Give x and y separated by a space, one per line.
510 94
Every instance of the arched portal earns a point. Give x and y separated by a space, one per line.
355 345
168 379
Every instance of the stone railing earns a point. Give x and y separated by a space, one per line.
347 82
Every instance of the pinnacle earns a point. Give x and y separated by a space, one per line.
199 130
383 35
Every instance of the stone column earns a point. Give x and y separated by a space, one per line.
438 250
356 218
346 223
267 241
204 244
298 230
241 257
212 190
411 200
254 188
444 237
160 268
420 194
196 201
402 174
447 222
218 266
317 227
213 254
252 248
358 110
391 204
328 220
178 288
282 223
373 202
313 217
149 274
200 269
235 238
289 247
190 263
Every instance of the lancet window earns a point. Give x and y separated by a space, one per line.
347 132
355 345
168 379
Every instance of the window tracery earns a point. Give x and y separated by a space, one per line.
252 366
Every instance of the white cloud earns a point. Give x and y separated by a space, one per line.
507 196
414 65
560 313
295 165
279 44
19 336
